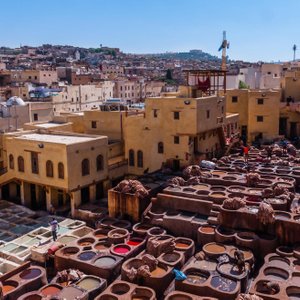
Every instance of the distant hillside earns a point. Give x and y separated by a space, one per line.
191 55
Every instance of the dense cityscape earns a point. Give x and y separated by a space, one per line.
168 175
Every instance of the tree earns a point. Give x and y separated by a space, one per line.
169 75
243 85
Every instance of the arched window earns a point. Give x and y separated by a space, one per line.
131 158
49 168
160 147
85 167
61 170
140 162
21 164
100 163
11 162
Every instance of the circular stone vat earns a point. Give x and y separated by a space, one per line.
218 189
230 269
172 213
285 251
261 287
121 224
89 283
229 178
102 245
274 273
196 277
248 255
30 273
118 233
108 221
189 190
293 292
70 251
66 239
105 262
50 290
256 192
236 189
282 216
214 249
159 271
33 297
134 241
141 294
223 284
217 195
101 233
121 249
120 288
71 293
182 244
86 242
202 192
86 255
280 262
171 257
8 286
208 229
156 231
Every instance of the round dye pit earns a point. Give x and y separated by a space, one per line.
120 288
217 194
278 274
102 246
33 297
86 242
196 277
282 216
105 262
284 250
171 257
214 248
223 284
30 273
261 287
121 249
207 229
9 286
89 283
86 255
141 294
247 254
280 262
134 242
50 290
230 269
70 251
70 293
181 244
158 272
156 231
293 292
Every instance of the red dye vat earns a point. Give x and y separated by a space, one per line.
121 250
133 242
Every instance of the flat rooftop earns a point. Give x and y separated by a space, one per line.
49 125
56 138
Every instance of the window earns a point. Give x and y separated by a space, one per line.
259 118
207 114
176 115
34 163
234 99
131 158
85 167
29 77
155 113
176 139
35 117
61 170
21 164
35 77
222 109
100 163
49 168
11 162
260 101
160 147
140 162
94 124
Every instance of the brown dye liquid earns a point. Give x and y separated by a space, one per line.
158 272
70 293
50 291
7 288
213 248
181 245
207 229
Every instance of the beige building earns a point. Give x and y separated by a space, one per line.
259 113
47 77
130 90
62 170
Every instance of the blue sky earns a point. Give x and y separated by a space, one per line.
257 29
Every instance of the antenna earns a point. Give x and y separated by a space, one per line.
294 49
223 47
